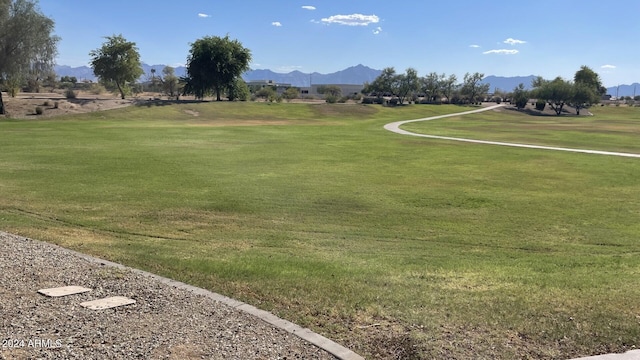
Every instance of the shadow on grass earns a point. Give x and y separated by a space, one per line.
158 102
546 112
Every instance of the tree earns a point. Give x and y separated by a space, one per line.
383 84
268 93
431 86
291 93
449 86
214 63
520 96
587 88
117 61
26 40
406 84
556 93
238 90
472 88
591 79
583 96
170 82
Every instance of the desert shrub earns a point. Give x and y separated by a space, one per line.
70 94
331 99
39 110
47 103
97 89
343 99
540 105
56 105
368 100
393 101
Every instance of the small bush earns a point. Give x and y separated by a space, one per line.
46 103
540 105
70 94
56 105
343 99
331 99
368 100
39 110
97 89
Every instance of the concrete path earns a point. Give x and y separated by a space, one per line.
395 127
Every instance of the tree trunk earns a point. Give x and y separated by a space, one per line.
120 89
2 112
218 94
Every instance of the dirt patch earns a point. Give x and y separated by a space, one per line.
24 106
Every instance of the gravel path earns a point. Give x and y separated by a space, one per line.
165 323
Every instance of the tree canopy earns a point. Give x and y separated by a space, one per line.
391 83
556 93
214 63
584 91
27 43
117 61
472 88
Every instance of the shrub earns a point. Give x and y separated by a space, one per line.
331 99
97 89
343 99
46 103
70 94
540 105
39 110
55 105
368 100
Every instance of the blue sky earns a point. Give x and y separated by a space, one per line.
503 38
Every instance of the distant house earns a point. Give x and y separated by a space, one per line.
279 87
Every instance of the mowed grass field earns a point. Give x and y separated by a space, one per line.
397 247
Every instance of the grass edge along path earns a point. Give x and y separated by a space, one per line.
395 127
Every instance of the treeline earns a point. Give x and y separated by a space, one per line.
583 91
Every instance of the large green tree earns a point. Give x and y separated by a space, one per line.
520 96
587 89
556 93
170 82
431 86
449 86
383 84
117 61
406 84
214 63
472 87
27 43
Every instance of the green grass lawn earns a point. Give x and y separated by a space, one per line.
391 245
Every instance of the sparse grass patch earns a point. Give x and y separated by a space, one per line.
391 245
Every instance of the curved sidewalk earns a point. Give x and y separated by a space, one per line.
395 127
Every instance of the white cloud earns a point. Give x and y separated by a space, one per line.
512 41
608 67
309 7
474 46
352 20
502 51
377 30
276 23
202 15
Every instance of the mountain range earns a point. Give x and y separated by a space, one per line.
356 75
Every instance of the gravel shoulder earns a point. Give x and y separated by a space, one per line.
165 322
